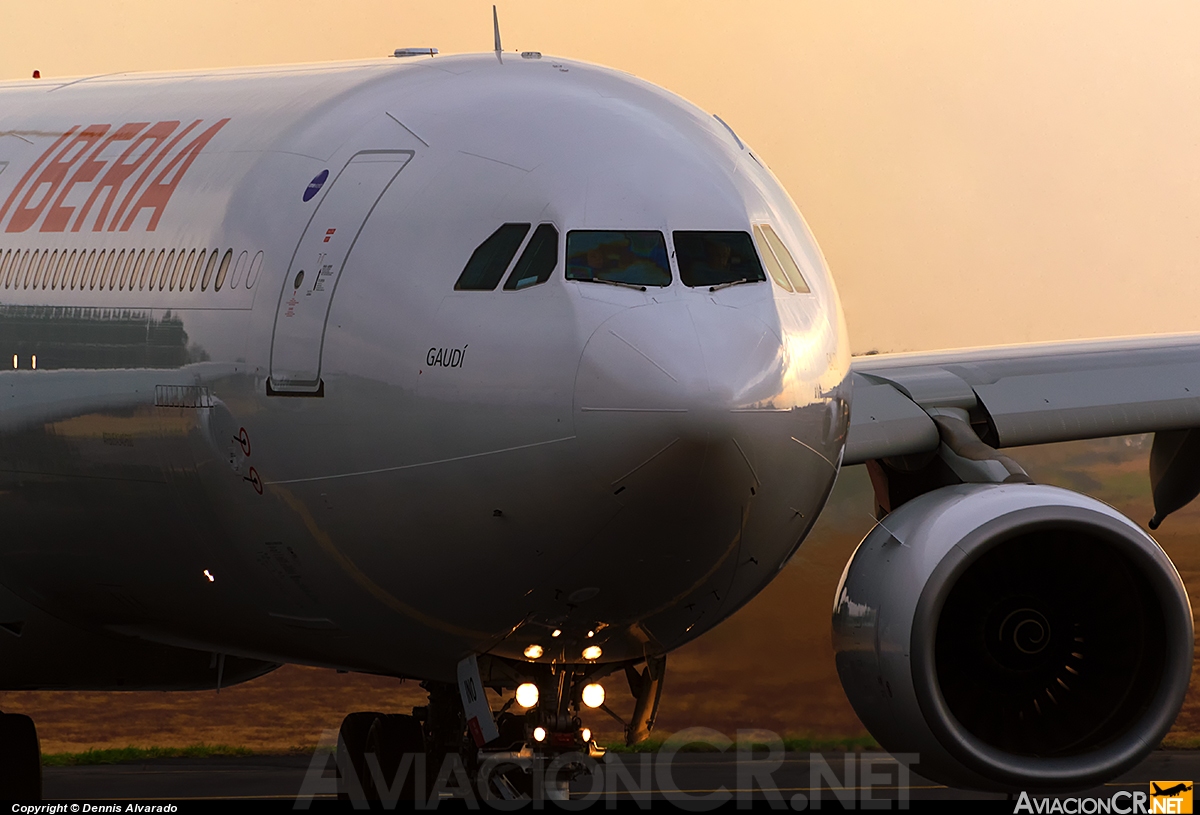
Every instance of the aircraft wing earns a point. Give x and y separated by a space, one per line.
1025 394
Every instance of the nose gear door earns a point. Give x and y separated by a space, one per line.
317 265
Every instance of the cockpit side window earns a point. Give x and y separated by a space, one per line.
489 260
716 258
773 265
635 258
785 259
537 261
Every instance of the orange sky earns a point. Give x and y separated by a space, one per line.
976 173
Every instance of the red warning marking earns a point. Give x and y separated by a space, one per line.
254 480
328 235
243 438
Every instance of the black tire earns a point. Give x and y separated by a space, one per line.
352 741
390 738
20 759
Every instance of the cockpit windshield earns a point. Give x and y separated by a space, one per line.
717 258
631 258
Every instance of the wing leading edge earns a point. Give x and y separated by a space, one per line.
1035 394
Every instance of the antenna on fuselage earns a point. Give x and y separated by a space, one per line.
496 30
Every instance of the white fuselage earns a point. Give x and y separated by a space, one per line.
372 470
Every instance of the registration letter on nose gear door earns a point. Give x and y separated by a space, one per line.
475 704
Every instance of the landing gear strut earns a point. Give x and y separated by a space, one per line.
541 747
20 759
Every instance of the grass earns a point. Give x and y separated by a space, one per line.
1181 743
123 755
793 744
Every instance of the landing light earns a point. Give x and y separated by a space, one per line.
557 633
586 735
527 694
539 734
592 652
210 576
593 695
533 651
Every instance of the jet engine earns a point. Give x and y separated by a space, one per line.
1013 636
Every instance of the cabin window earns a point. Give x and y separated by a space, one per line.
50 278
182 266
238 267
60 270
82 269
491 258
21 270
14 271
631 258
107 269
209 269
224 270
167 273
60 277
69 273
141 269
716 258
196 271
153 264
49 259
31 267
76 268
790 269
538 260
126 271
43 272
119 271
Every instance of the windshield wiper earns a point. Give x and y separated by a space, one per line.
611 282
730 283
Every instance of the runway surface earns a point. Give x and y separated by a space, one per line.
684 777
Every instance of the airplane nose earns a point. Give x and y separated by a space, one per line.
666 398
670 372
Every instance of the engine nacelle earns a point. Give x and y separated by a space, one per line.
1015 636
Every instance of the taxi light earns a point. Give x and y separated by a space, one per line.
527 694
593 695
539 734
592 652
533 651
586 735
557 633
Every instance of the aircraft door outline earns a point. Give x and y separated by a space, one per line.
324 248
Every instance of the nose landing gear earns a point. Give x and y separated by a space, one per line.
541 747
20 759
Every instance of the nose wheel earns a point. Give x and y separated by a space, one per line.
20 759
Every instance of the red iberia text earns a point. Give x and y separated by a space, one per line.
105 178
